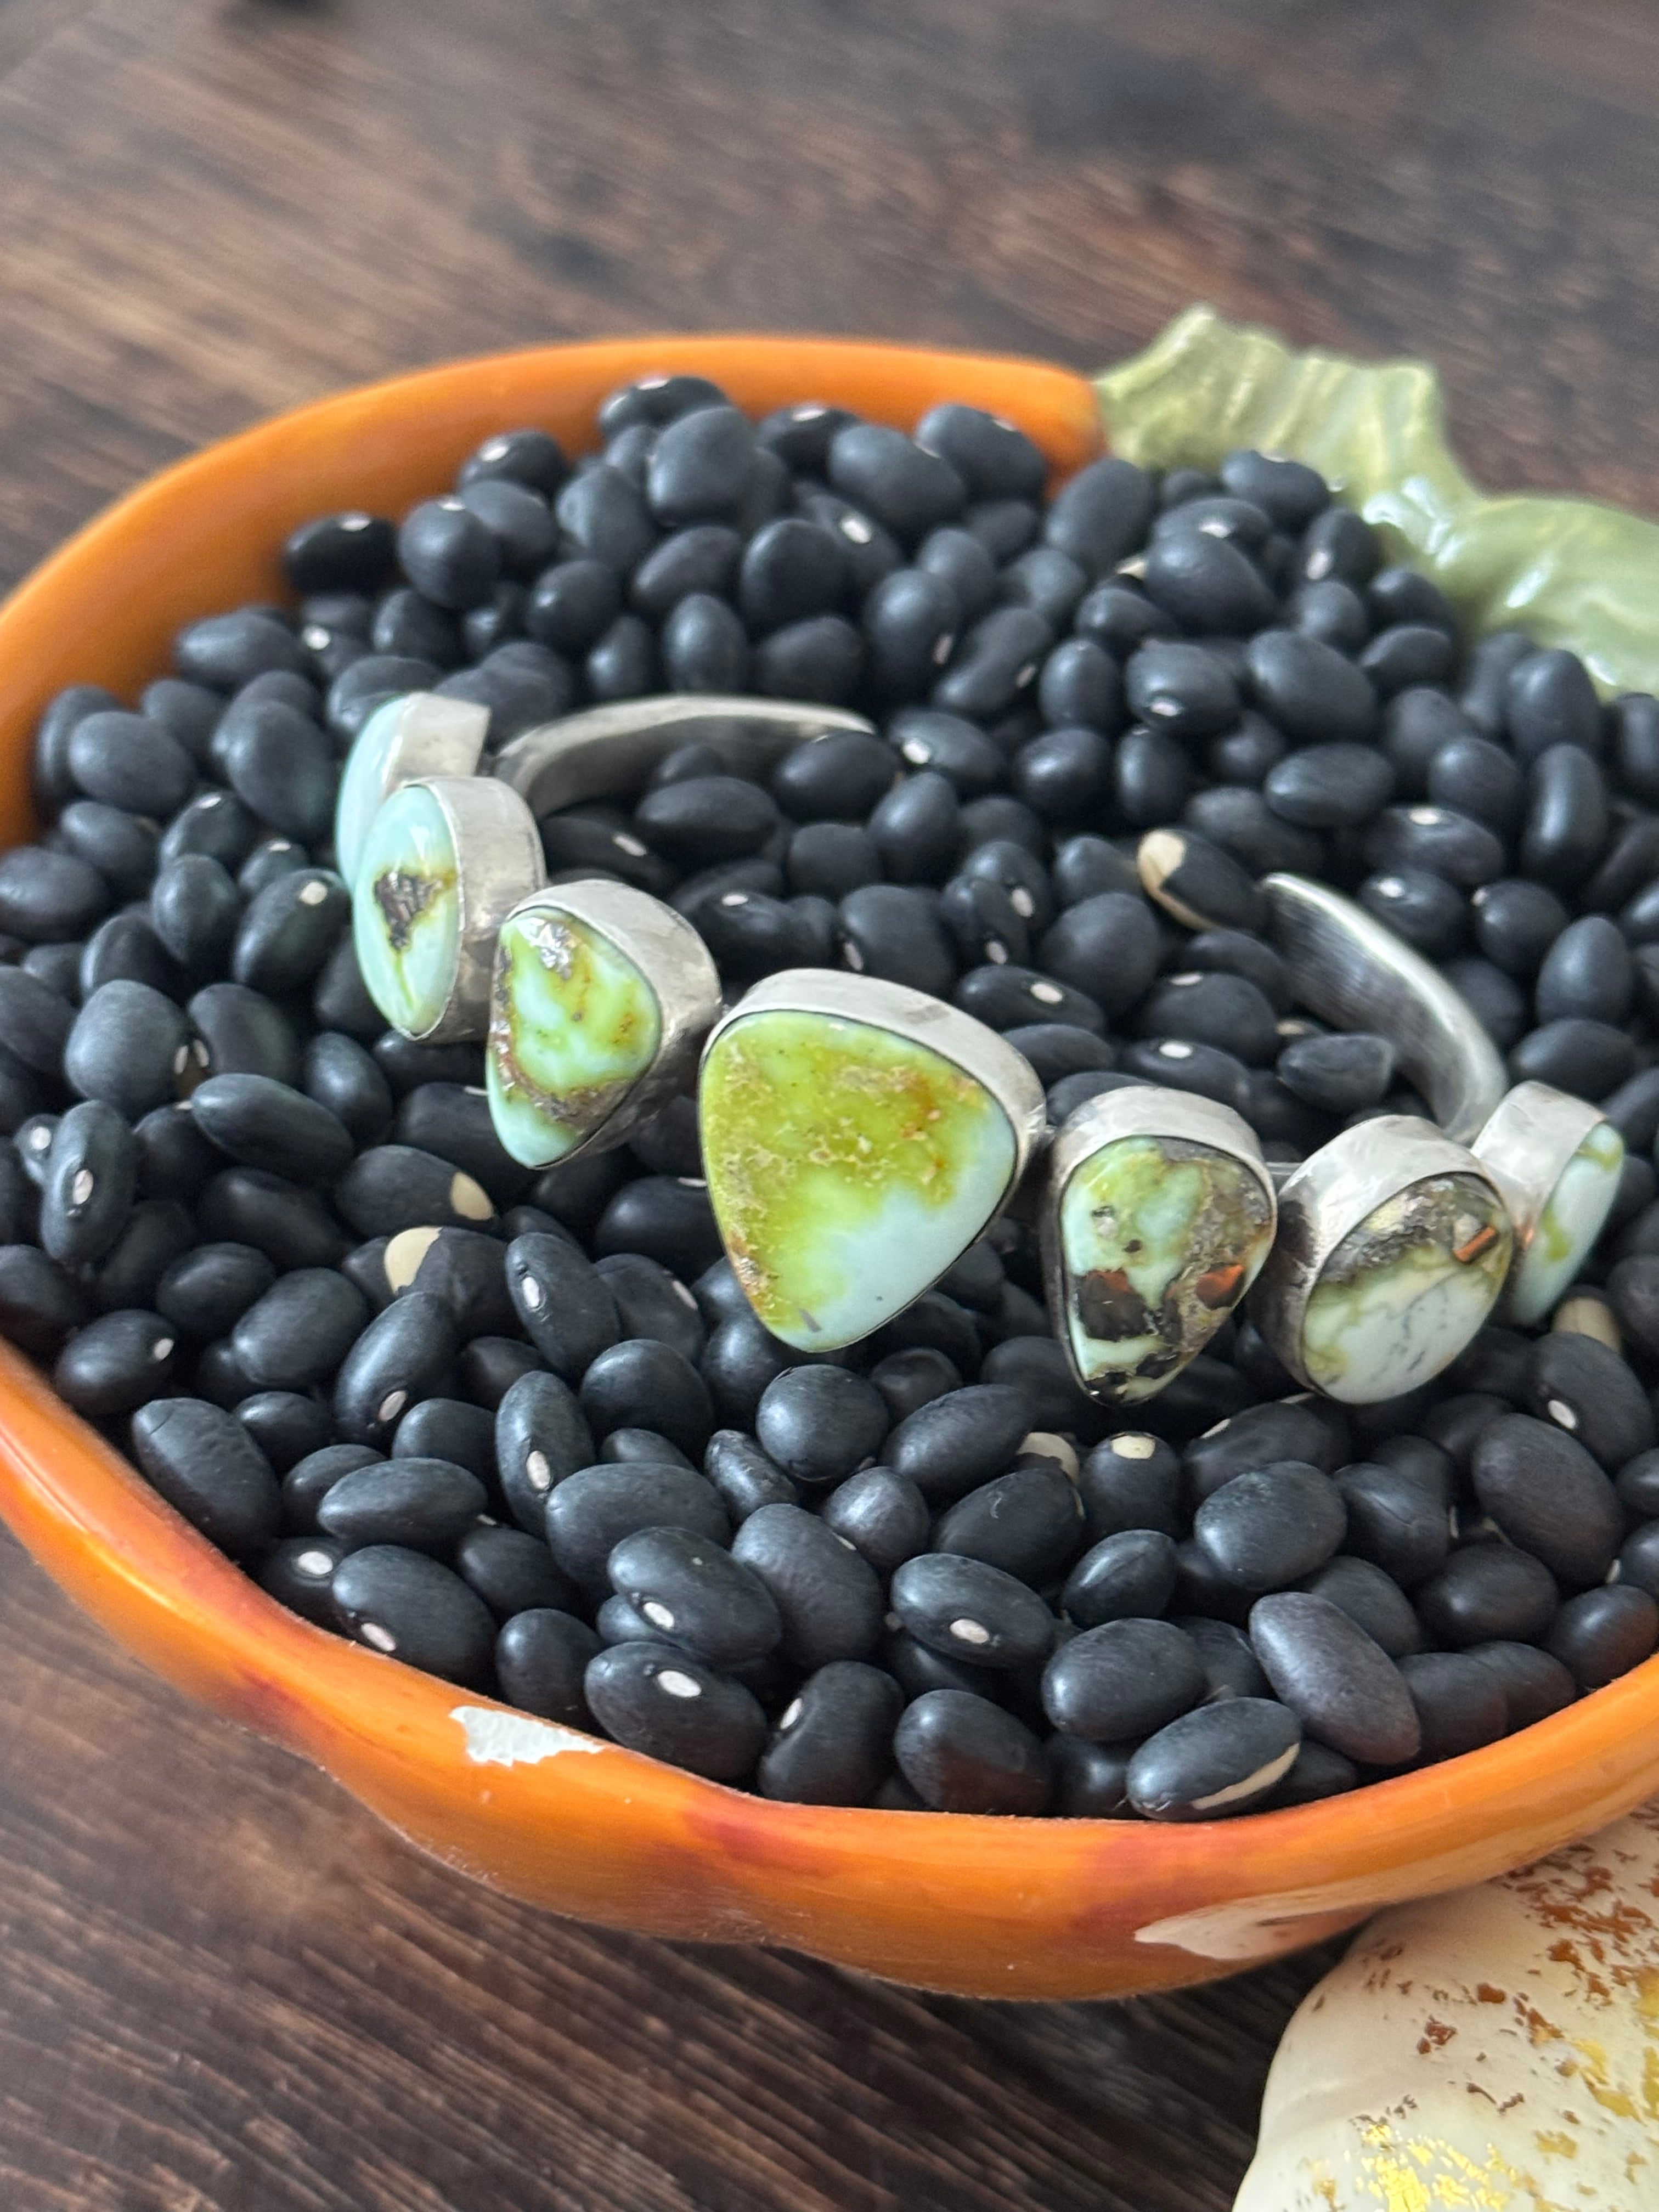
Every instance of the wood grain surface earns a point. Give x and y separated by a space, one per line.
223 1989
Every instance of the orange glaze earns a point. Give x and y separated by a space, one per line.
985 1907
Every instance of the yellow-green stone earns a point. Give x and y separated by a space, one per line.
1405 1291
406 910
848 1167
1574 1216
573 1026
1159 1239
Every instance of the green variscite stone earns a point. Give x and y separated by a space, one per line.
406 910
573 1026
360 793
1159 1239
848 1167
1405 1291
1573 1217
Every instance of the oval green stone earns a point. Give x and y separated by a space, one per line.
1405 1290
360 795
1159 1239
406 910
573 1024
848 1167
1574 1215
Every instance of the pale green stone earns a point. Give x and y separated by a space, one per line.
360 793
573 1026
1573 1218
1159 1239
1405 1291
406 910
849 1168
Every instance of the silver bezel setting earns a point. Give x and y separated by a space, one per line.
498 861
434 737
1526 1146
607 752
1139 1111
679 971
1325 1199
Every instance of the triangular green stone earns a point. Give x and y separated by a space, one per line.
849 1166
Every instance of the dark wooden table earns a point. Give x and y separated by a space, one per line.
222 1989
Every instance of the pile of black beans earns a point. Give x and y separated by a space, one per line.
522 1430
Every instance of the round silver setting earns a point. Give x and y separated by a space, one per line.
498 860
1528 1145
608 752
1329 1197
1190 1308
677 967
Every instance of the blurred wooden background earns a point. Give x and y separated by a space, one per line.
222 1989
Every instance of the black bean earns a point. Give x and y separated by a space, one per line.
1128 1576
1337 543
244 1033
1591 1058
541 1436
1080 684
1047 581
563 1302
410 1606
1203 1069
1119 618
652 1303
1329 786
126 949
961 1754
451 1121
1197 883
1289 491
961 561
450 1429
1478 777
1630 861
1396 1520
490 1365
995 664
892 931
840 777
279 763
705 819
992 458
572 604
41 1303
394 1186
1021 874
91 1179
53 785
1183 690
1243 824
513 1573
909 624
1123 1680
1054 1050
47 897
1223 1758
1515 923
1338 1074
264 1124
1088 1781
1207 583
1244 754
350 551
1633 722
1231 1668
130 1047
957 1441
208 1289
425 1504
1268 1529
116 1362
909 490
401 1355
642 1382
1566 826
1437 839
1633 1109
739 1362
1549 699
157 1232
1407 653
654 1699
1587 1389
880 1512
827 1595
1486 1591
832 1745
34 1018
590 1511
1603 1633
910 1379
1221 1010
983 923
1308 690
1533 1684
288 931
1547 1495
1107 946
830 858
119 845
517 517
687 1589
298 1572
1633 1287
407 622
819 1424
1132 1481
194 908
340 1076
541 1657
1461 1704
300 1330
916 827
704 647
1100 514
1340 1682
208 1467
1587 971
743 1474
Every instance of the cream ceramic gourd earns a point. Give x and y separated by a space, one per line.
1496 2049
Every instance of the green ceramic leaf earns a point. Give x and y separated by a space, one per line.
1568 571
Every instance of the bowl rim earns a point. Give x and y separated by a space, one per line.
497 1792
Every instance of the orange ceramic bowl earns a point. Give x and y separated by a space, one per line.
986 1907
